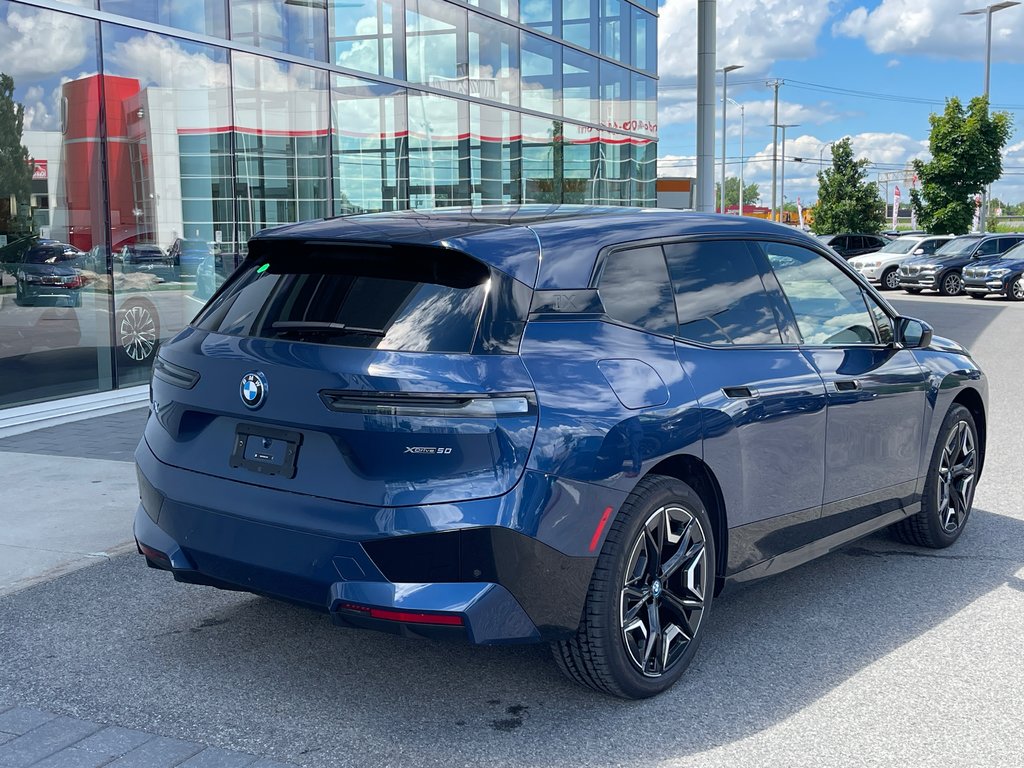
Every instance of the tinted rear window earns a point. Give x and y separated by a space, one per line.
410 300
634 289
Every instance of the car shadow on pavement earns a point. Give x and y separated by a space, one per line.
124 644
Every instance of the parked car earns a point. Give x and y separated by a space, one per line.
1003 275
882 267
47 275
142 256
943 271
893 233
414 423
850 245
186 255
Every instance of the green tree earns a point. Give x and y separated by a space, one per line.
15 163
966 147
847 202
751 194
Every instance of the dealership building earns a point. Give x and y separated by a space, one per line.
189 125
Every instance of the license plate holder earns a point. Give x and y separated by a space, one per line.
265 450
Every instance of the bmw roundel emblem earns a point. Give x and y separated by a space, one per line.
253 389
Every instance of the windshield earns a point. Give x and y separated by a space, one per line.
41 256
903 245
958 246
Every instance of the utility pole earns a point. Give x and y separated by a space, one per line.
706 10
775 139
783 126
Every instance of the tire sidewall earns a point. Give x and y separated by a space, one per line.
884 282
929 503
633 682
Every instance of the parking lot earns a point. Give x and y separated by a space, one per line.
880 654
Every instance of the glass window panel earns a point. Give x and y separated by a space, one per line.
615 101
580 163
507 8
541 74
362 35
538 14
207 17
635 289
541 146
439 162
493 60
281 117
495 150
581 97
645 171
645 106
827 303
615 29
436 44
56 299
577 24
615 168
645 40
371 163
298 28
719 294
170 177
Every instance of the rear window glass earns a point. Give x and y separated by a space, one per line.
635 289
410 300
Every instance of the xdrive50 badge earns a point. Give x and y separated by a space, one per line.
427 451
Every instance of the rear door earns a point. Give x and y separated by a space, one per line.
373 374
877 393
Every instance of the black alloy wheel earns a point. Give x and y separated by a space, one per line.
952 284
949 488
890 279
649 596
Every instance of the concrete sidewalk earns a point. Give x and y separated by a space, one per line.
68 497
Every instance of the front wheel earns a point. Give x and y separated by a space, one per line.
1016 290
890 279
952 284
949 485
649 597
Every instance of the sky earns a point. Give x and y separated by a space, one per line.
912 53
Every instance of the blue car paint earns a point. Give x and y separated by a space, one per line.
613 403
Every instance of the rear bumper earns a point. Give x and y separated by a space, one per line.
481 583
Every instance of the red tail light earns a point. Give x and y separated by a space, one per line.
409 617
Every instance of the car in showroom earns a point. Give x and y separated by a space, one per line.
943 271
882 267
186 255
849 245
138 257
1002 276
414 423
47 275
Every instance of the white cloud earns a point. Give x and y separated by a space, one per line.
677 165
758 113
163 62
754 33
892 63
935 28
34 44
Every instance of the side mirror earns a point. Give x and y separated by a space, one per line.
913 334
919 251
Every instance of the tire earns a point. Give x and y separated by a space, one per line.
630 589
1015 290
952 284
890 279
138 332
913 291
945 505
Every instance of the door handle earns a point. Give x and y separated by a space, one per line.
738 393
848 385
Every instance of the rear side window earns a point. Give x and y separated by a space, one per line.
396 299
634 289
720 297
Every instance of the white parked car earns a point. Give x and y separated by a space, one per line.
881 266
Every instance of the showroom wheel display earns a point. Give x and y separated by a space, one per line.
949 486
138 332
649 596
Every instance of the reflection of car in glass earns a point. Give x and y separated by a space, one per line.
1003 275
186 255
850 245
943 271
47 275
882 267
414 423
141 255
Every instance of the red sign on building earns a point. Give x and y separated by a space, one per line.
39 169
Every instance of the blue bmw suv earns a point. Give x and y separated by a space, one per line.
571 425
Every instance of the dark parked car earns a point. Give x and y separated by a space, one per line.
1003 275
142 256
47 275
943 271
413 422
850 245
186 255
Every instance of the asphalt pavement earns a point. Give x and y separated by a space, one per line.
879 654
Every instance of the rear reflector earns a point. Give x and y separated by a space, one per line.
158 557
409 617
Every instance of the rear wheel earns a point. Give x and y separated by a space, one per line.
890 279
649 596
949 486
952 284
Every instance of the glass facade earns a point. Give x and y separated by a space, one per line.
153 148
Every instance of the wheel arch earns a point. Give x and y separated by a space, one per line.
698 475
970 399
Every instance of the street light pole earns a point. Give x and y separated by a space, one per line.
743 158
725 99
988 11
782 173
